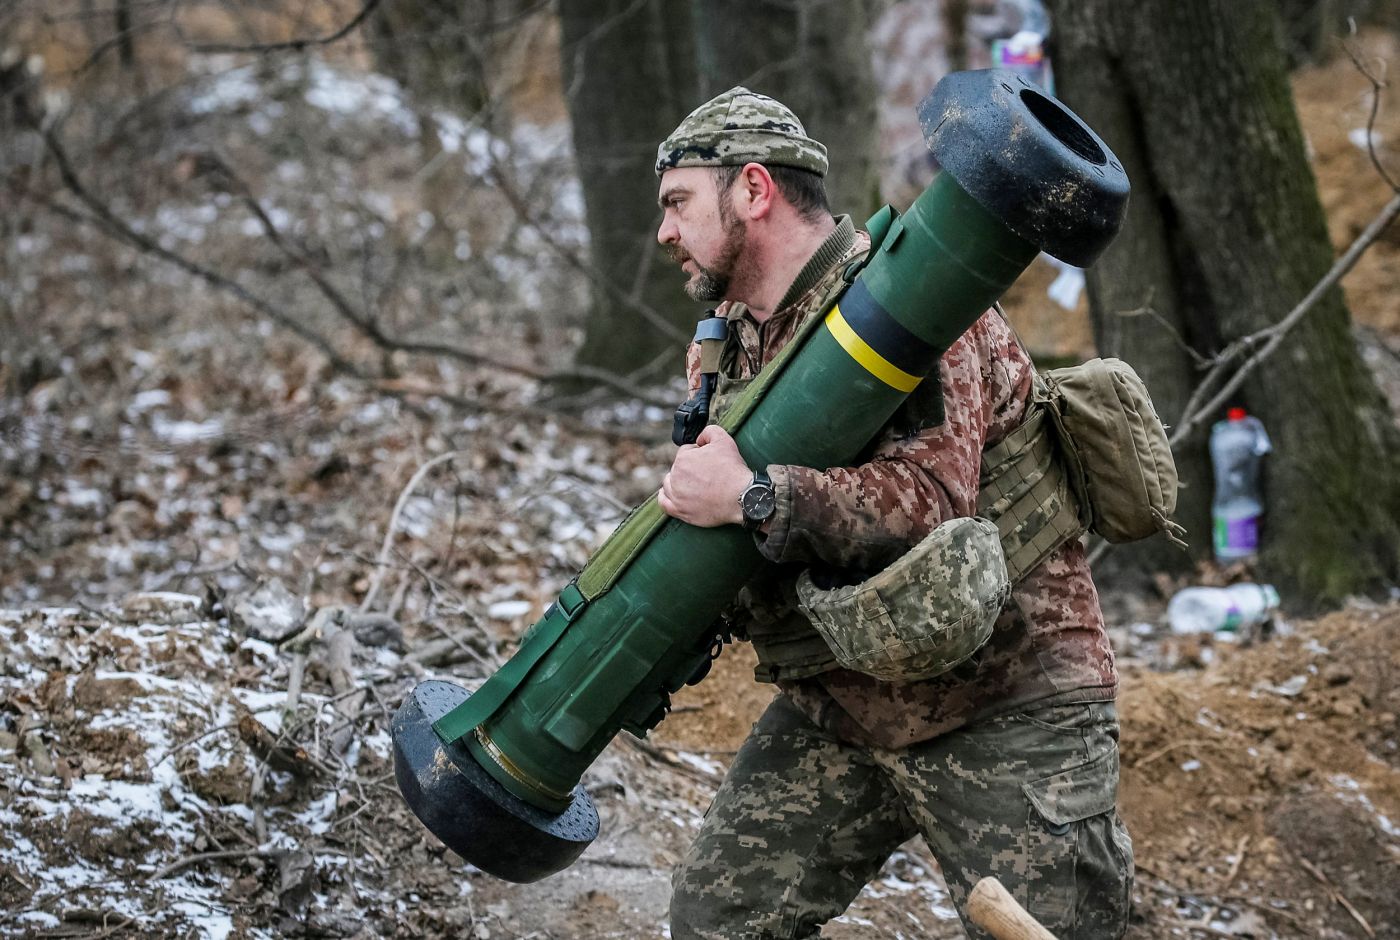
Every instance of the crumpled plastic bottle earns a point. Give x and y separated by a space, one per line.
1209 609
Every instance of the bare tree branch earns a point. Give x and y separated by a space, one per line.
1272 336
370 329
507 188
294 45
110 223
113 225
1376 86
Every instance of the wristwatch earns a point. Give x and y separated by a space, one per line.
759 500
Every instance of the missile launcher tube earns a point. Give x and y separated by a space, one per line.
614 667
615 645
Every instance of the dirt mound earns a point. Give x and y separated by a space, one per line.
1266 786
1260 792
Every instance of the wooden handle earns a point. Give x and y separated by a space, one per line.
992 908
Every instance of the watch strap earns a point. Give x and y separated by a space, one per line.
761 479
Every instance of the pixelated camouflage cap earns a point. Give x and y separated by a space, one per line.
738 127
925 614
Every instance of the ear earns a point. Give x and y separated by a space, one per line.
756 192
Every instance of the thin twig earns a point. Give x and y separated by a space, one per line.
1376 86
1336 895
176 748
497 173
388 542
1235 865
294 45
1147 310
1175 745
125 922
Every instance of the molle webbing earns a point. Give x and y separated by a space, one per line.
1024 488
1026 491
794 650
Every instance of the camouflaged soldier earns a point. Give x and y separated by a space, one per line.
1007 762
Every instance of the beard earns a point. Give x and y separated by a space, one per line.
712 282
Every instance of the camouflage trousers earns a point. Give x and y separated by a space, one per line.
803 821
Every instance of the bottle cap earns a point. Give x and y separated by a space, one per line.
1237 414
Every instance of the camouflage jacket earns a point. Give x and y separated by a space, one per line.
1048 646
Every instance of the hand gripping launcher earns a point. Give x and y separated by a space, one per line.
495 774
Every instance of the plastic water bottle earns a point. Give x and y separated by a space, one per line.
1208 609
1236 444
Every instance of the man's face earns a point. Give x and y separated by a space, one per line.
701 231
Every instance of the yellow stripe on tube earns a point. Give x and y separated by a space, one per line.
874 363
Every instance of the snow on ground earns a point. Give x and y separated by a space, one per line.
138 729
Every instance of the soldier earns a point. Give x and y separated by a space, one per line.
1007 764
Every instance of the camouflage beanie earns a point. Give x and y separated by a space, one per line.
738 127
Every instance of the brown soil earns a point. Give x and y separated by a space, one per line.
1239 799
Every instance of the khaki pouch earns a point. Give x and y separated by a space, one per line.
1115 448
923 615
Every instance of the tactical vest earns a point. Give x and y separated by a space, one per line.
1024 489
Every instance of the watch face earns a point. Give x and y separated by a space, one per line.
758 502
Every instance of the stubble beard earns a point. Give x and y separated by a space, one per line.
712 283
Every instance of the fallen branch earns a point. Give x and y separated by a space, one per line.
188 860
661 757
276 751
350 696
1336 894
83 915
440 652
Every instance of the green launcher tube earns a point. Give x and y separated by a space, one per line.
938 269
1021 174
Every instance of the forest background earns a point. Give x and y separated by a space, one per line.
354 309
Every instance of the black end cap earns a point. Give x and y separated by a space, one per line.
1027 159
468 810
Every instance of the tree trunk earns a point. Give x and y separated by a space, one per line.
955 28
815 58
629 79
1224 236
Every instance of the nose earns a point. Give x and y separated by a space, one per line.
668 232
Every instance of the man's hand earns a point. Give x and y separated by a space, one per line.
705 481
